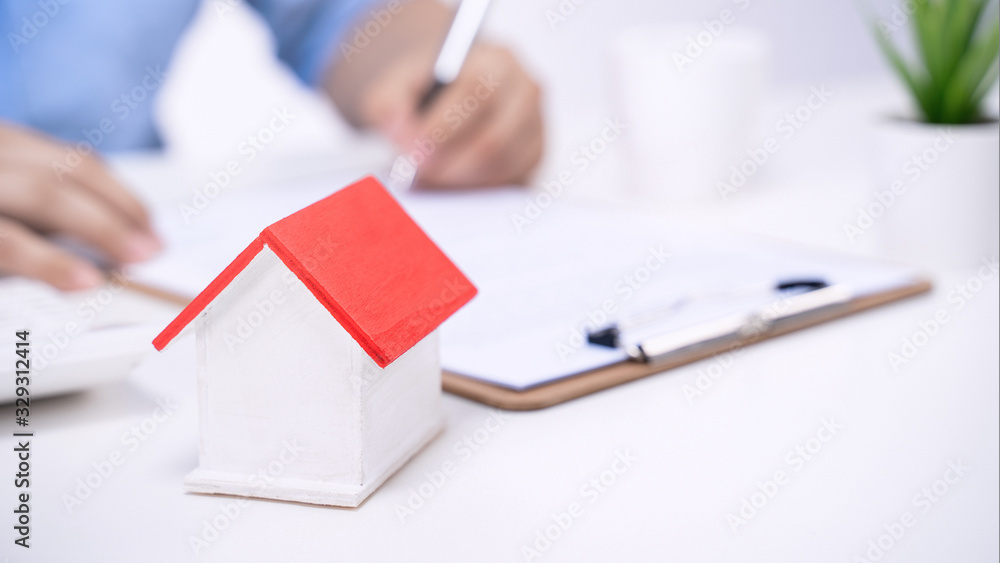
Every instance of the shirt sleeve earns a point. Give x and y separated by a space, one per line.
308 31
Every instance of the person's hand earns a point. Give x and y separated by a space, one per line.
83 202
485 128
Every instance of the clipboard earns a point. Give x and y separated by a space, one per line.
576 386
588 382
498 350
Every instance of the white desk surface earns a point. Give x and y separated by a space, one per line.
694 461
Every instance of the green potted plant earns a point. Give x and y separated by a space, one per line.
939 162
956 66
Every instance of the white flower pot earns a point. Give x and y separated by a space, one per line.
939 187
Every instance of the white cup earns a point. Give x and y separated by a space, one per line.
692 100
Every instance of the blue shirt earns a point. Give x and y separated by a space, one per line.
89 70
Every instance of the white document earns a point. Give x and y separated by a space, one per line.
577 267
544 278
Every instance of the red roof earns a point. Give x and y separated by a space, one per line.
366 261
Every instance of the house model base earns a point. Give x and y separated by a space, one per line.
209 482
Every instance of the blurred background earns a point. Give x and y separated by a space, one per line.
224 75
687 126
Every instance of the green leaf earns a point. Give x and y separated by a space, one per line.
960 27
972 71
957 43
984 88
901 68
928 20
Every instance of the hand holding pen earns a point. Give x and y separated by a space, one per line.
470 118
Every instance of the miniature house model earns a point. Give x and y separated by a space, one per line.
318 353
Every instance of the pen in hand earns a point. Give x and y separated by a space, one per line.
448 64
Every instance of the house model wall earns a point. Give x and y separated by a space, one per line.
319 356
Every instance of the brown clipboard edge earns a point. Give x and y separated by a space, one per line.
588 382
156 292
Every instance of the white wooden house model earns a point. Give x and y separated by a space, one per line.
317 350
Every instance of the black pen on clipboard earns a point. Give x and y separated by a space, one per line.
454 50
